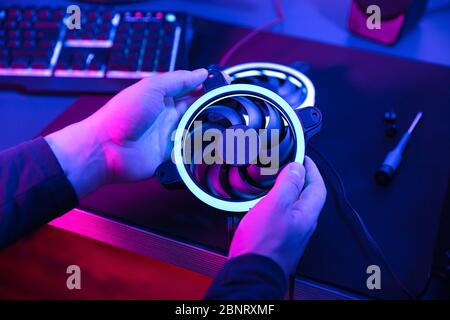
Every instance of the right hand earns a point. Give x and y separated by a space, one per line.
280 225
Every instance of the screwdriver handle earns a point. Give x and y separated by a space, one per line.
392 160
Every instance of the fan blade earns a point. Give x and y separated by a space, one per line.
269 83
216 113
241 188
273 83
213 179
259 180
197 148
199 173
275 121
296 98
284 148
286 89
255 117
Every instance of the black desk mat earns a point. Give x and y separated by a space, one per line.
354 89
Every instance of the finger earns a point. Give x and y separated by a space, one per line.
169 102
288 185
177 82
313 196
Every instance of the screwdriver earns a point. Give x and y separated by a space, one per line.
392 160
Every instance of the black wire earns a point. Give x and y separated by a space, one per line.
375 246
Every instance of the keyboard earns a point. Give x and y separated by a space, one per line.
41 51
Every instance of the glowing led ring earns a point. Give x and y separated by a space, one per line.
201 104
255 69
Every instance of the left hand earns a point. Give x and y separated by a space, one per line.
127 138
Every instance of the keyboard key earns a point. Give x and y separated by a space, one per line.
106 15
105 27
47 34
61 66
92 15
58 14
34 52
29 34
78 64
39 63
13 44
3 63
10 24
19 62
46 25
89 26
147 67
12 13
86 35
71 35
43 13
46 44
13 34
4 53
25 24
28 13
29 44
101 36
94 66
118 46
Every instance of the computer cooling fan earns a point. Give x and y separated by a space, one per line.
290 84
241 178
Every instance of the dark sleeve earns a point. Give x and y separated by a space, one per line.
33 190
249 277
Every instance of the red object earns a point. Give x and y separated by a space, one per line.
35 268
395 17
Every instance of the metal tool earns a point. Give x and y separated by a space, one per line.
392 160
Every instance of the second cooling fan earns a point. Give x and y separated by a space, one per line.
290 84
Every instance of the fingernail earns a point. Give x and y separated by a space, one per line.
200 72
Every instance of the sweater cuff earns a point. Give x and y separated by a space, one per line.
250 276
56 183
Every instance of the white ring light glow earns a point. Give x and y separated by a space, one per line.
194 110
310 90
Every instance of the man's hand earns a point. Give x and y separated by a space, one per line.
129 137
280 225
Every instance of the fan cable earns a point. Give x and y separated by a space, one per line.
279 18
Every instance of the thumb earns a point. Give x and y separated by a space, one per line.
288 185
178 82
